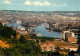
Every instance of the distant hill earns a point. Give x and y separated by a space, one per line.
64 13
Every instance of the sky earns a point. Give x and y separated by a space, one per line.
40 5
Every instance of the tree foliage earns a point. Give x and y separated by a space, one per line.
7 32
1 26
79 41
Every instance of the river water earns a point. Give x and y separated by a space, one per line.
44 32
40 30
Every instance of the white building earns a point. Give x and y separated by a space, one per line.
69 36
39 35
73 49
64 34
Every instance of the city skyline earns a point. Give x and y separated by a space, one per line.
40 5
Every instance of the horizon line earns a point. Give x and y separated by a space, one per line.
30 11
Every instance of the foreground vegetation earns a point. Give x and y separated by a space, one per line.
21 47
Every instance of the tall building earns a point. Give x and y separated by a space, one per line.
64 34
69 36
57 25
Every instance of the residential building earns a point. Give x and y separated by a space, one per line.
48 46
39 35
73 49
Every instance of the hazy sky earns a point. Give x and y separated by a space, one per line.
40 5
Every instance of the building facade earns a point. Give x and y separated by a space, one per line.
69 36
48 46
64 34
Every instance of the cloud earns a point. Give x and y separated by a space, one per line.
38 3
46 3
59 5
28 3
6 2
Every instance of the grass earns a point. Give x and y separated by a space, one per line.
64 44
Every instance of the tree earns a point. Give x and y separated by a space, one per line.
37 41
71 53
1 26
69 25
7 32
43 40
54 53
22 39
79 41
28 51
58 48
50 53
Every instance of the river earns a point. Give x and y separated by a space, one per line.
40 30
44 32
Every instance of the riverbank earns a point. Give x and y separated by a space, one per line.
47 33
